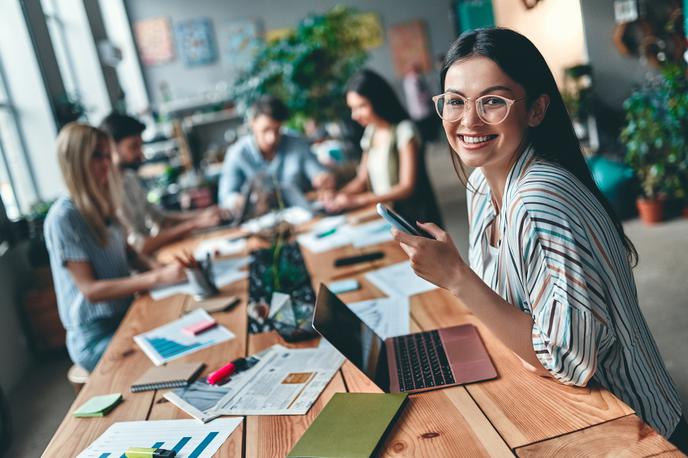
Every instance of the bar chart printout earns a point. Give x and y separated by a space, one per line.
188 438
171 341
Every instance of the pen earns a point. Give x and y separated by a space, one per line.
326 233
225 371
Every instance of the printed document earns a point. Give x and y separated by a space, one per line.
284 382
399 280
387 316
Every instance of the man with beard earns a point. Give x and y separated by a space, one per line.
148 227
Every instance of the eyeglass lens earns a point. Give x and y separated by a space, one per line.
491 109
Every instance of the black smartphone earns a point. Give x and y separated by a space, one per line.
400 223
350 260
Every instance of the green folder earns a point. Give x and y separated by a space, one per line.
99 406
351 425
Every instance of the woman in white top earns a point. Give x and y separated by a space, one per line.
392 167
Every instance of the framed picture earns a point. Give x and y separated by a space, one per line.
239 42
408 42
196 41
154 40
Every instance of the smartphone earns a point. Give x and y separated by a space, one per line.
400 223
359 258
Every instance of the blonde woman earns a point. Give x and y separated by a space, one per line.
89 256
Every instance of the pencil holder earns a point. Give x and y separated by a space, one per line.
201 280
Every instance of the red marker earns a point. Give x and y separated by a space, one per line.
222 373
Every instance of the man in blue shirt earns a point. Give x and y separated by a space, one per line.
271 151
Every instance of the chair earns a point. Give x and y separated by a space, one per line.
77 376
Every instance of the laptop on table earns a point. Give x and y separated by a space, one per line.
411 363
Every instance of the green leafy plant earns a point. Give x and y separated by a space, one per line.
308 68
577 92
656 134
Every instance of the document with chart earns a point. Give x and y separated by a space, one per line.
284 382
170 341
187 438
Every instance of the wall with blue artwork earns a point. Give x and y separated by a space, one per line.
237 27
196 41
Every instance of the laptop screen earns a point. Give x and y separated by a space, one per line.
351 336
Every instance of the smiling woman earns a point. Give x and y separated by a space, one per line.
549 268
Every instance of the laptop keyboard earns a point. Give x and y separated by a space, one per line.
421 361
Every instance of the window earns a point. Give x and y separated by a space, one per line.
65 61
16 185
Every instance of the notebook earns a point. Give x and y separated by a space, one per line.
339 432
175 375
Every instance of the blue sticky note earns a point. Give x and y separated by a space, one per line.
344 286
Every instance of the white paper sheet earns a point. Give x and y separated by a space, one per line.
361 235
292 215
225 271
220 247
187 437
284 382
169 342
372 233
399 280
387 316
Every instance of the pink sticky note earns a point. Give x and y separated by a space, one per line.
197 328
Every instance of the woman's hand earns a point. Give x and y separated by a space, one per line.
209 217
342 202
437 261
170 274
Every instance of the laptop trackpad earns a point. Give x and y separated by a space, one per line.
467 354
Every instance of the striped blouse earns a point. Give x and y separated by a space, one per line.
561 261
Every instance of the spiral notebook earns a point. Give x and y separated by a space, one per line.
175 375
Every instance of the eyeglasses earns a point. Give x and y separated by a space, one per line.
491 109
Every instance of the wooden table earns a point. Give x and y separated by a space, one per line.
517 413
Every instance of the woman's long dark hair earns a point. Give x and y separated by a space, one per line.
554 140
382 97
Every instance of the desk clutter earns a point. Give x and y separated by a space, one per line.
280 381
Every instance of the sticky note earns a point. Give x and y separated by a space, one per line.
98 406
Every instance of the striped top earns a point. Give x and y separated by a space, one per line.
562 261
69 238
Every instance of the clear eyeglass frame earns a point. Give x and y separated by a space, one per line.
477 106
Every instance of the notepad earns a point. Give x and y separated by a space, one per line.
175 375
339 432
98 406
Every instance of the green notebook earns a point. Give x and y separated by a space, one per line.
99 406
351 425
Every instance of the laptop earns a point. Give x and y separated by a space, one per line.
411 363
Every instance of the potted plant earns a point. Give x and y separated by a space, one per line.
308 68
656 138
